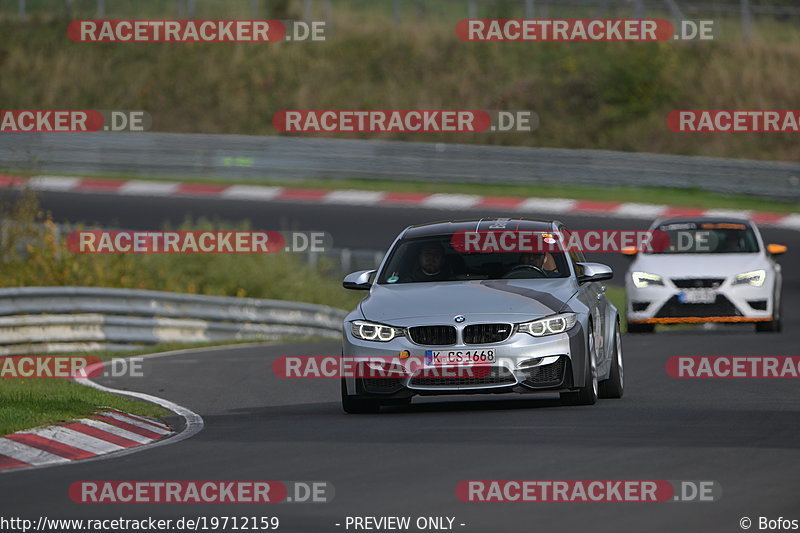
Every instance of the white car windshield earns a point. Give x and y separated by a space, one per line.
709 238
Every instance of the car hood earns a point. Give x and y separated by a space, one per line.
699 265
478 301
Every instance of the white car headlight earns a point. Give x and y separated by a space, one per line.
549 326
644 279
755 278
370 331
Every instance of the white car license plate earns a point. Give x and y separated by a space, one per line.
698 296
460 357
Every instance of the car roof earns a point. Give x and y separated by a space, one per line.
449 227
703 220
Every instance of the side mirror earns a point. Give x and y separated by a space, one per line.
594 272
358 281
776 249
630 251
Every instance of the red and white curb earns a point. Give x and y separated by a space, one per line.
105 432
108 433
260 193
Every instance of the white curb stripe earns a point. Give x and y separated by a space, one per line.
53 183
791 222
728 213
547 205
28 454
354 197
114 430
76 439
143 425
143 419
148 188
251 192
632 209
451 201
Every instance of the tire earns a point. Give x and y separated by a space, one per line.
358 406
614 386
773 326
641 328
587 394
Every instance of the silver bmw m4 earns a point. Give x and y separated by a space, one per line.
442 319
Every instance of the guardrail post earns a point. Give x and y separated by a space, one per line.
747 20
21 10
472 9
190 8
328 18
638 9
529 9
101 9
396 12
346 260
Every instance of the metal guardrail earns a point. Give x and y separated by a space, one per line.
243 158
60 319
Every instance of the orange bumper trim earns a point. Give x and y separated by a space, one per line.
698 320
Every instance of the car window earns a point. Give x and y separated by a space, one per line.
708 238
434 259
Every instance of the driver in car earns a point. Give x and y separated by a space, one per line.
432 265
542 261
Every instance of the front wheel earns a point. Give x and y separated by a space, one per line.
587 394
358 406
613 387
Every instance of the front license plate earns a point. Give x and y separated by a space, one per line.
698 296
460 357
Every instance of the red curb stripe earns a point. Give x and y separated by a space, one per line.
6 181
204 189
129 427
500 201
682 212
8 462
765 217
591 205
102 435
302 194
48 445
98 185
404 198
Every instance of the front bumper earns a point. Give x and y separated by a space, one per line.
524 364
666 305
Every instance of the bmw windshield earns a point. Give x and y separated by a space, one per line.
435 259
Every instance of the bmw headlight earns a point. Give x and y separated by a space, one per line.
369 331
549 326
644 279
755 278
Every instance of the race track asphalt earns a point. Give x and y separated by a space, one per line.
743 434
